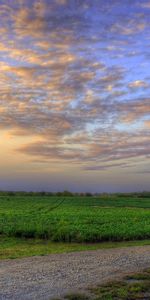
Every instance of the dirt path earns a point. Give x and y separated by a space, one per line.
50 276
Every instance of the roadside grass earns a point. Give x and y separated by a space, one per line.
77 297
133 287
11 248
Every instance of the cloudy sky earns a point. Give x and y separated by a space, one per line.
75 95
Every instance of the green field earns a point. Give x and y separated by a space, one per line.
77 219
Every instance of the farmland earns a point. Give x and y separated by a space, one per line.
75 218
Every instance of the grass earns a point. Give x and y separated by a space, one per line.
132 287
77 297
77 220
11 248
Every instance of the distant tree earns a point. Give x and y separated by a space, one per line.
105 195
42 193
82 194
50 194
11 193
58 194
67 193
88 194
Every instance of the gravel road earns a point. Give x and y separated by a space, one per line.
46 277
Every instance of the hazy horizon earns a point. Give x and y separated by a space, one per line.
75 95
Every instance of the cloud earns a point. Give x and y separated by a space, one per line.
65 78
131 28
138 84
105 167
145 4
147 123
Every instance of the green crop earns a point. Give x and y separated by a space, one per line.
77 219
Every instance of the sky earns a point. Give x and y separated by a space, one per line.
75 95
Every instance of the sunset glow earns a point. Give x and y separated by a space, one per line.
75 95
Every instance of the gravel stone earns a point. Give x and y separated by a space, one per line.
51 276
